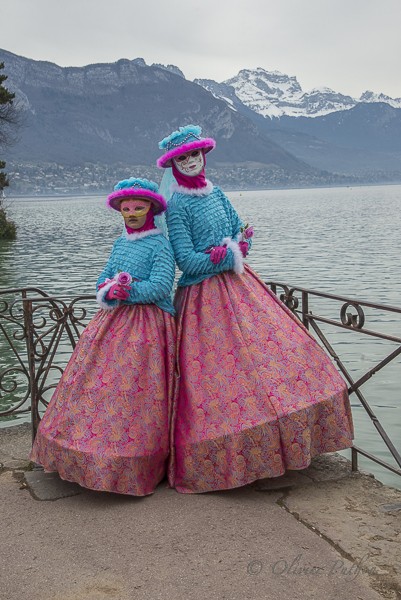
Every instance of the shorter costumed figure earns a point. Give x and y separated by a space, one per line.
257 394
107 424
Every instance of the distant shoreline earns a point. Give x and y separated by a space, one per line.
76 194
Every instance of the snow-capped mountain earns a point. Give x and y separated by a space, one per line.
269 93
222 91
274 94
369 96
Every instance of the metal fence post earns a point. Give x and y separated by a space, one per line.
305 309
30 348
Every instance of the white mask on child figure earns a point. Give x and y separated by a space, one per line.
190 163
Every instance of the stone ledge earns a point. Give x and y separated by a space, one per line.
15 445
360 517
49 486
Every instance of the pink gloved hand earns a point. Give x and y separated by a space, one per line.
105 282
243 246
118 292
218 254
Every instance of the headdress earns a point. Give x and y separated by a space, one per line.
184 140
134 187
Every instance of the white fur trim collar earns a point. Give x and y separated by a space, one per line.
193 191
141 234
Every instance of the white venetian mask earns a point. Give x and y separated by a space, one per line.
190 163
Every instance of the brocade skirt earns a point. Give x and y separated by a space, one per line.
107 424
257 394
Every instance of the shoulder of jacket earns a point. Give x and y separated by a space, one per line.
118 242
159 240
176 200
216 190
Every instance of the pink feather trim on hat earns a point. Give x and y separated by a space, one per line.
206 144
157 200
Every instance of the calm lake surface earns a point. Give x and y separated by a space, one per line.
345 241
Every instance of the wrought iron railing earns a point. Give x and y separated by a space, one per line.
38 333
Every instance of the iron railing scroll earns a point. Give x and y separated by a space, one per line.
37 334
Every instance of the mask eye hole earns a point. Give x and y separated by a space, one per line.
181 158
195 153
125 209
139 208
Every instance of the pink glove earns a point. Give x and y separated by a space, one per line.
218 254
243 246
118 292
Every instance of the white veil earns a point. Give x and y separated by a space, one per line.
165 190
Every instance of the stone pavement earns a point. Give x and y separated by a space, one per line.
323 533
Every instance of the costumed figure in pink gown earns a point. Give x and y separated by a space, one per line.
257 395
107 424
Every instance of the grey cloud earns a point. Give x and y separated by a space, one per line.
349 46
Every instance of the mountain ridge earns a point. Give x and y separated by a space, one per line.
122 109
275 94
115 113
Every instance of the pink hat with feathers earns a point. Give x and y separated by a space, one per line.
134 187
184 140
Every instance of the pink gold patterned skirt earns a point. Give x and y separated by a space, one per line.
107 424
257 394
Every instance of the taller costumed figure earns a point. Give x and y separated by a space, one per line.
257 394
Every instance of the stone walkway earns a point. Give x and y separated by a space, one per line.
323 533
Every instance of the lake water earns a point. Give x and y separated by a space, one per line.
344 241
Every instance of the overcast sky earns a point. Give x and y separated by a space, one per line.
348 45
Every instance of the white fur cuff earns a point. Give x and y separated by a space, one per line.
101 295
238 258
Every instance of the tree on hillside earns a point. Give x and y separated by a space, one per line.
8 122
